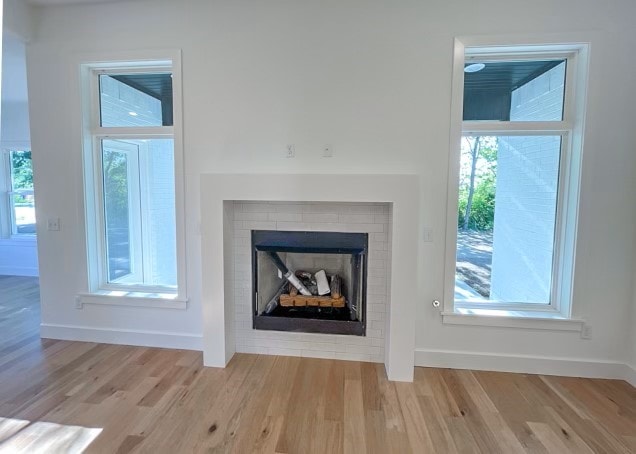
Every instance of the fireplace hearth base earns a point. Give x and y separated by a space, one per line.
308 325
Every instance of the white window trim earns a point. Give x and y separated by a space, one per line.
7 215
558 314
95 290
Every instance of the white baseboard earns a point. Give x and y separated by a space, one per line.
630 375
525 364
18 271
181 341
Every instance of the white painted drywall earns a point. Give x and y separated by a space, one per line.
18 18
372 78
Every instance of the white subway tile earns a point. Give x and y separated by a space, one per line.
285 207
378 255
283 351
292 226
378 246
333 347
317 354
378 342
284 216
321 207
251 349
356 218
320 217
327 227
242 233
380 236
351 356
253 207
250 216
382 218
356 208
362 228
375 316
374 332
377 358
339 217
366 349
258 225
377 263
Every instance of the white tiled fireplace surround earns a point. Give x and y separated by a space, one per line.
371 218
384 206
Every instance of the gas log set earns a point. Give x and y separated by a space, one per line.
305 289
309 281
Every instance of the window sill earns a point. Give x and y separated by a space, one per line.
541 320
131 299
19 240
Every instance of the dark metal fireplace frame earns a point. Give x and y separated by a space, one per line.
355 244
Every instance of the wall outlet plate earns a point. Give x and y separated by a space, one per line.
53 224
586 332
327 151
290 151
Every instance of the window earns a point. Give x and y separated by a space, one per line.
20 207
515 182
133 188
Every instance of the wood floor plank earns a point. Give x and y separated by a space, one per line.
354 417
60 396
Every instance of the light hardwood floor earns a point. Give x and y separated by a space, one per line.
58 396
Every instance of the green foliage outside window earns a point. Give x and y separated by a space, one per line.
22 177
478 175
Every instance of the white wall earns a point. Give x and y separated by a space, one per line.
18 18
372 78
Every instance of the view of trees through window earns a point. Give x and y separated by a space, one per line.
477 183
22 201
506 217
116 212
476 212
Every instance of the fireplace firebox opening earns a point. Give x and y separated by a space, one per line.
311 282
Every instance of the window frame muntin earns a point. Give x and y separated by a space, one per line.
570 129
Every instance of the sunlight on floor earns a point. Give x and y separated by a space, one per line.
20 436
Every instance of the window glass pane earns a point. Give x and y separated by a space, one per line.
139 198
506 218
158 209
118 209
22 200
514 90
135 100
